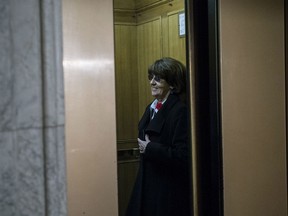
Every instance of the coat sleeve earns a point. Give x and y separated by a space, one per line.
175 149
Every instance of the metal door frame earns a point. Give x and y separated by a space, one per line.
205 102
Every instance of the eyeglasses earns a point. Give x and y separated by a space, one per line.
157 78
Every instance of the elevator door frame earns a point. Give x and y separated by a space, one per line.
205 102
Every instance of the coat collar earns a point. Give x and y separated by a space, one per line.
156 124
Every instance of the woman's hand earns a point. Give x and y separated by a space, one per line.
143 143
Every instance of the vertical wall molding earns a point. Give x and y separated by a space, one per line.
53 107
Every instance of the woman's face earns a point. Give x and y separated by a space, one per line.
159 87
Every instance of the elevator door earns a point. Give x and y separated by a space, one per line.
90 107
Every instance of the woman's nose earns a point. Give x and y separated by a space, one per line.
152 81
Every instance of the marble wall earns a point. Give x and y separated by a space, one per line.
32 149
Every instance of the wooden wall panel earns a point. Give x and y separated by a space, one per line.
176 44
124 4
149 46
145 3
127 109
124 17
126 81
159 10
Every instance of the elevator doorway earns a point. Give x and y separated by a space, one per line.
90 105
93 91
144 31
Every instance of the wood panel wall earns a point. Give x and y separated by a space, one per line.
149 41
126 82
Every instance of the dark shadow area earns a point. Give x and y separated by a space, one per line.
203 22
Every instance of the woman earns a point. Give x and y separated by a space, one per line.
162 187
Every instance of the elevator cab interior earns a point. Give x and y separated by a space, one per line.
144 30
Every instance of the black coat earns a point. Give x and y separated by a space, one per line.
162 187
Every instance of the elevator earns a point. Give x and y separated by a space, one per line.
144 31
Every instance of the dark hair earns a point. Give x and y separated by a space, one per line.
171 70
